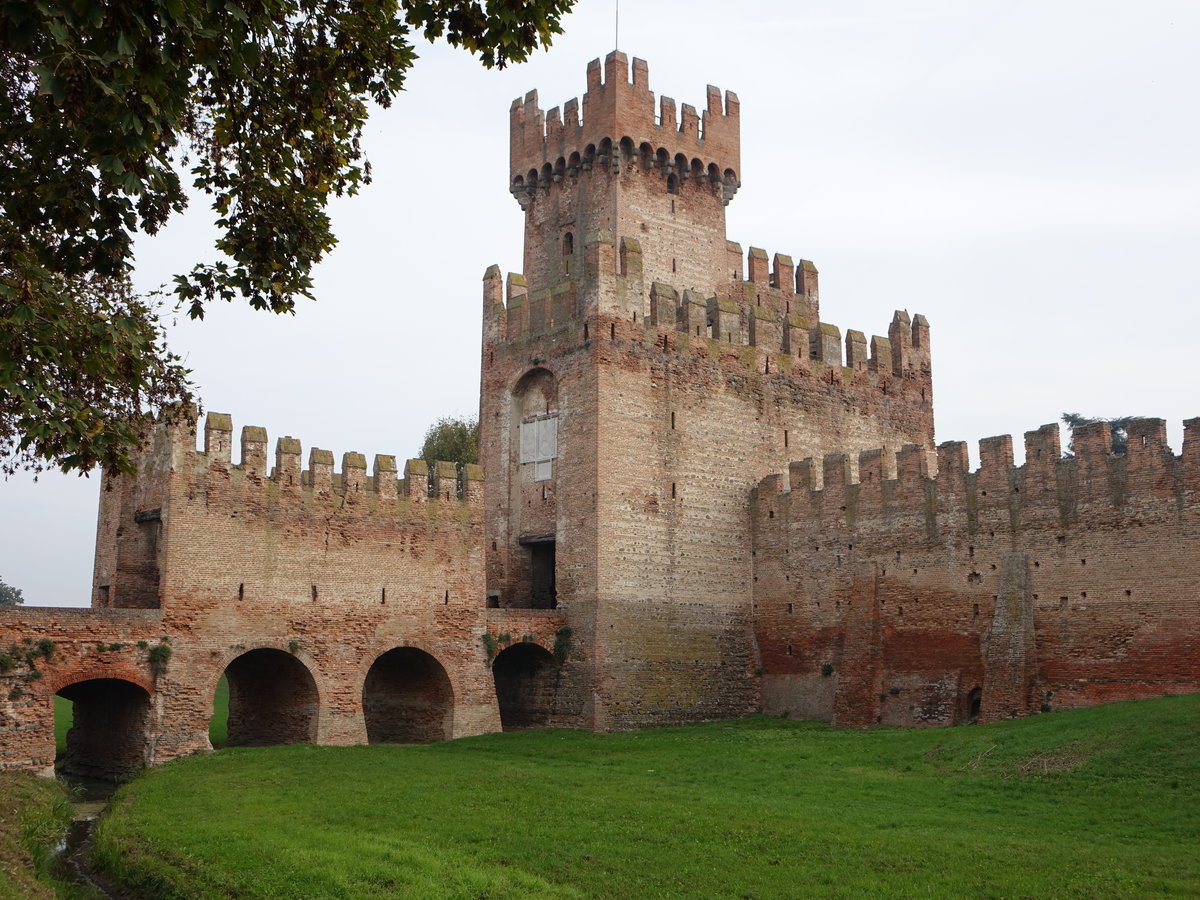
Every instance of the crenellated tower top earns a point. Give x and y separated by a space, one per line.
623 166
547 145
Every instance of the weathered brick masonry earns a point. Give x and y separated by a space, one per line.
632 558
902 598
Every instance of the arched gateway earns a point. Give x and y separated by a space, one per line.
108 734
407 697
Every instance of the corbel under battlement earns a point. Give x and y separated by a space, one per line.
619 123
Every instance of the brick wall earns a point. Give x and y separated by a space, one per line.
1063 582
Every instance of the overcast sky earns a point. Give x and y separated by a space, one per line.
1026 174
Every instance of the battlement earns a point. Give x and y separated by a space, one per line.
416 483
619 123
774 309
841 491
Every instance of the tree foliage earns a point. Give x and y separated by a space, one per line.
9 595
106 109
452 440
1119 427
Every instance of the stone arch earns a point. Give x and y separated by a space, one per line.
109 736
972 704
273 699
407 697
535 393
526 677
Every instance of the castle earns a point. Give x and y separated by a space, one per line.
696 499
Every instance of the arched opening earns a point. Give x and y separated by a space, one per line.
973 705
526 678
107 737
272 700
672 184
568 244
407 698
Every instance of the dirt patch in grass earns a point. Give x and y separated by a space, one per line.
1053 762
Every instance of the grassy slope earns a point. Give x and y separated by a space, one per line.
1101 802
33 816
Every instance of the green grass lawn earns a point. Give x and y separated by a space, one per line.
1096 803
218 732
64 713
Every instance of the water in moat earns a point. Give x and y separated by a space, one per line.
72 857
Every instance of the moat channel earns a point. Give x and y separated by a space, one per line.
73 856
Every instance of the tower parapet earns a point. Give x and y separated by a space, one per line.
620 124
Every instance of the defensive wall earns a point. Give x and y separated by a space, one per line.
884 593
342 607
635 556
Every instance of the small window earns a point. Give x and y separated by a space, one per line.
672 185
568 244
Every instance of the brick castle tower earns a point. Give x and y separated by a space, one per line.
637 382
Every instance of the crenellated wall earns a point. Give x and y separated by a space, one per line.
1062 582
343 607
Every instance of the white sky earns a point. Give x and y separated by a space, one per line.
1027 174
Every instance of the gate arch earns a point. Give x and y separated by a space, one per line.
273 699
109 737
407 698
526 676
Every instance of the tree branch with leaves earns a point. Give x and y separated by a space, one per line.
106 109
